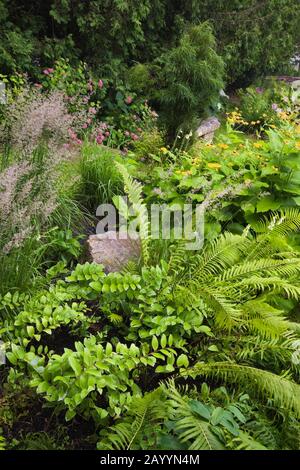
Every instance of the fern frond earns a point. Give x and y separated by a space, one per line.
221 254
225 312
285 393
245 442
144 412
133 190
191 429
263 319
286 267
278 224
273 284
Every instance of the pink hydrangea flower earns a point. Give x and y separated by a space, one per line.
50 70
46 72
100 84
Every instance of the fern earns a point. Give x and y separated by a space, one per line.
191 429
133 189
284 392
144 414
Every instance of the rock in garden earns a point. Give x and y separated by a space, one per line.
111 251
207 129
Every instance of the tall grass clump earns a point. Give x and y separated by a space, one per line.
100 180
35 129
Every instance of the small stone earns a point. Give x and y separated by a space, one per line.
112 251
207 129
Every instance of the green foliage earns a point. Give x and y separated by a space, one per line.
133 189
121 357
100 180
151 323
110 34
191 78
144 415
284 392
235 180
149 145
249 34
2 443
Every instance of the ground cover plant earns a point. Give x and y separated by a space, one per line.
178 349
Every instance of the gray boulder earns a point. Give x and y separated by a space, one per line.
111 251
207 129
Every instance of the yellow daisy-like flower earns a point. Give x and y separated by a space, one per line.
214 166
223 146
164 150
258 145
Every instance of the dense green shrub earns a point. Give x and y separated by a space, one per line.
190 79
111 34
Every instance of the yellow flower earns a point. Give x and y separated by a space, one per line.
258 145
164 150
214 166
298 144
283 115
223 146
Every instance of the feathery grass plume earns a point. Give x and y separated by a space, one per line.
33 118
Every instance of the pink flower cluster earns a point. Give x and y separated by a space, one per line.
132 135
74 137
90 85
102 132
48 71
129 100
